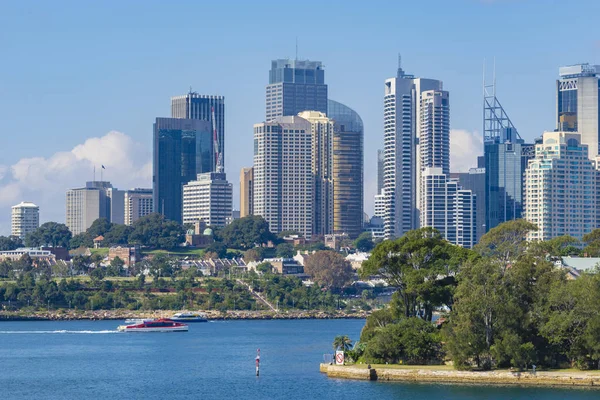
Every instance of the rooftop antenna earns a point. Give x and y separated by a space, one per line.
400 71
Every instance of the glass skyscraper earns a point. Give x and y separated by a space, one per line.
199 106
183 148
295 86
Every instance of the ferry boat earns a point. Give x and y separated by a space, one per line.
189 317
155 325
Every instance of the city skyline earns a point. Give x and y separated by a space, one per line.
33 169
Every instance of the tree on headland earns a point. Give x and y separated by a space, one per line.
10 243
155 231
329 269
342 342
246 233
505 242
364 242
592 243
50 234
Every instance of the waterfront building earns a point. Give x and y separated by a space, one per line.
208 199
200 106
408 113
295 86
474 180
283 183
96 200
25 218
246 191
560 188
138 203
183 148
578 103
348 171
448 208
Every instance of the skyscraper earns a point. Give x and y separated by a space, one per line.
406 114
380 169
560 187
200 106
246 191
208 199
348 192
183 148
87 204
295 86
283 181
474 180
138 203
322 170
578 103
25 219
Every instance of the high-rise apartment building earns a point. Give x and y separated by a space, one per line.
25 219
560 188
348 171
96 200
246 191
474 180
283 181
322 170
208 199
138 204
578 103
448 208
183 148
200 106
380 171
295 86
407 112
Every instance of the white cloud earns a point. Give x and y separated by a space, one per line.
44 181
465 146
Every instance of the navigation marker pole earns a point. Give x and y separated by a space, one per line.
257 362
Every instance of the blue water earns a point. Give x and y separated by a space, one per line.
215 360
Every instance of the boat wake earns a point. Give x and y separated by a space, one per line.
56 332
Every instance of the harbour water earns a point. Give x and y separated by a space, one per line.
215 360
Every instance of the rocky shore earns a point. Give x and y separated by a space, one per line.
430 375
60 315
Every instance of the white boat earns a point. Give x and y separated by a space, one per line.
135 321
155 325
189 317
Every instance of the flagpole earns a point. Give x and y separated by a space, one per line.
101 171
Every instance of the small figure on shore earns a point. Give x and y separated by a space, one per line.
369 366
533 368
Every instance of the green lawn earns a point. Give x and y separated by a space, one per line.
178 252
103 251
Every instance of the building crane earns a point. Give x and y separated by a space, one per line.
218 155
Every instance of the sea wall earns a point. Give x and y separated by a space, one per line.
583 379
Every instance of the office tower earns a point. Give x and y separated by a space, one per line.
283 182
348 171
474 180
448 208
246 191
578 103
209 199
183 148
406 114
560 188
322 170
200 106
116 198
25 219
379 205
87 204
380 170
295 86
138 204
505 156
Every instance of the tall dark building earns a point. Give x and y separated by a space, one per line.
295 86
347 174
183 148
199 106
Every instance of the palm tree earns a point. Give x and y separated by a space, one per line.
342 342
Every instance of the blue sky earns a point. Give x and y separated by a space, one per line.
72 71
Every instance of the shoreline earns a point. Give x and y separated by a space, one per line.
416 374
100 315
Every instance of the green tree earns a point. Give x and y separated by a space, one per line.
254 254
162 265
329 269
421 265
118 235
8 243
49 234
98 228
155 231
342 342
246 233
592 243
364 242
116 267
505 242
560 246
81 240
285 250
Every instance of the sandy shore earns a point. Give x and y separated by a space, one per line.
432 375
210 314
